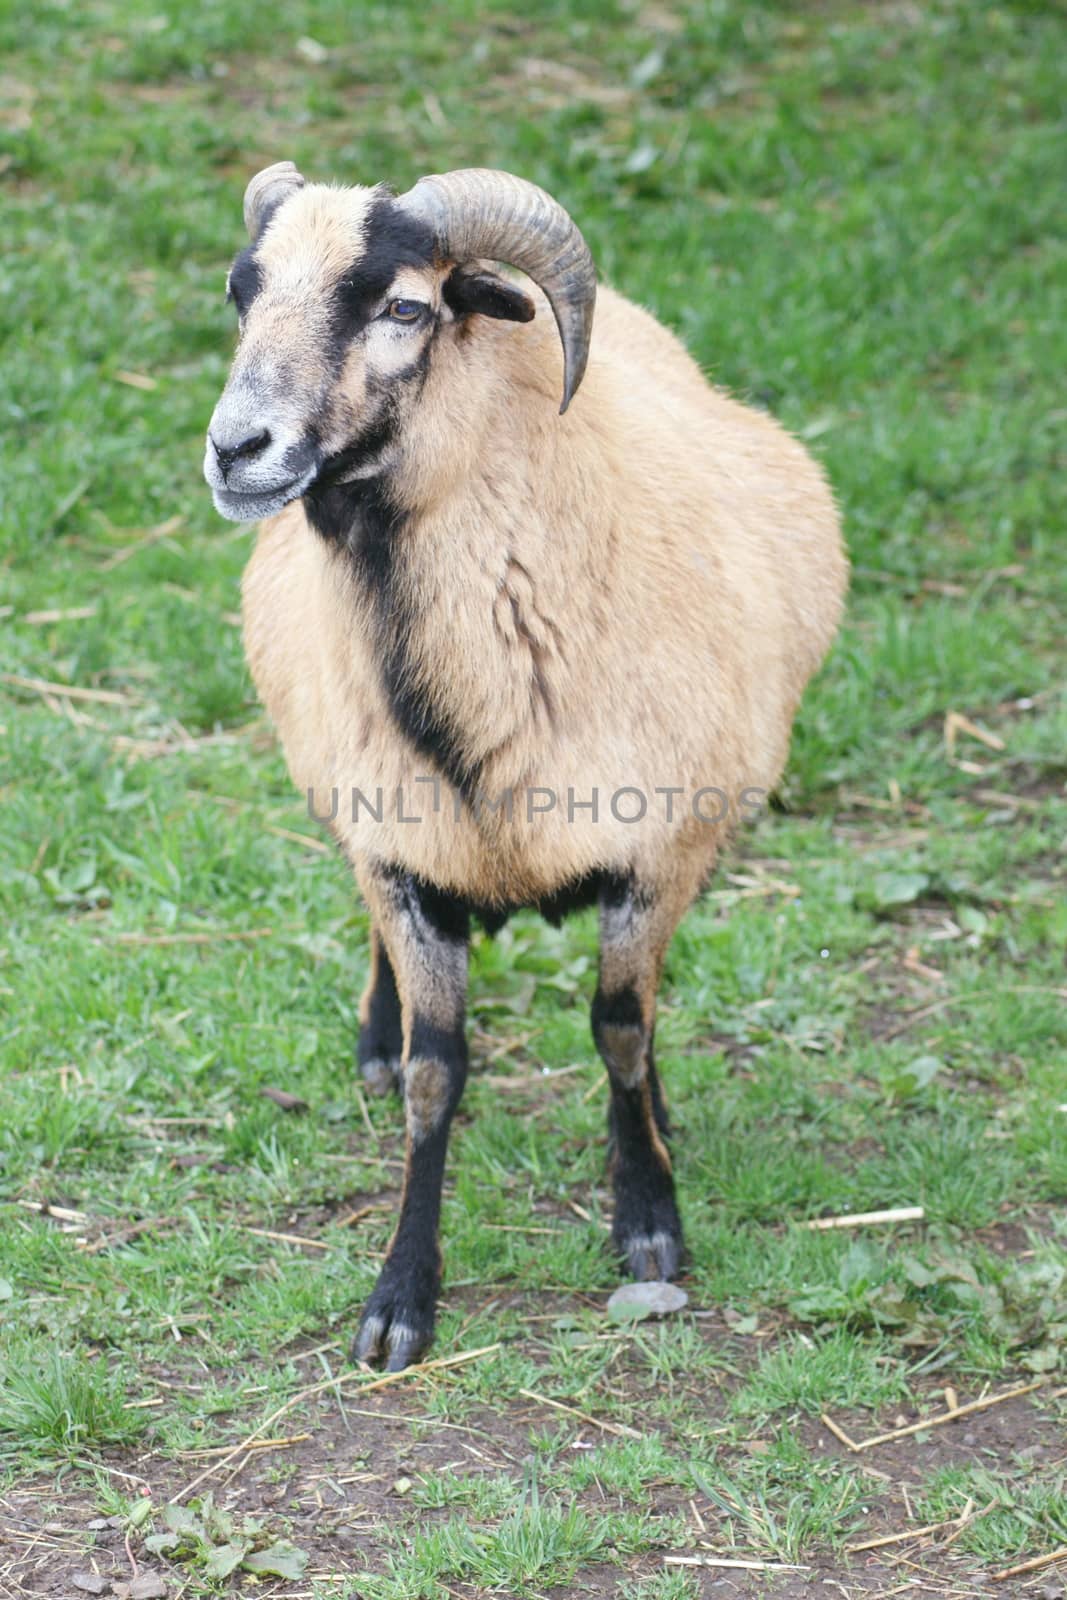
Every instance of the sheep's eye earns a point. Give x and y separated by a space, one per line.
405 310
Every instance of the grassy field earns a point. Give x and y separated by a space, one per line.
854 214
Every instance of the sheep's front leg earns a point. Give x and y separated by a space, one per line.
424 933
635 928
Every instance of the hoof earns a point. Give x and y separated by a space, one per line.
647 1233
652 1257
396 1328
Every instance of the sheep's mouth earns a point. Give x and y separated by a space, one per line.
251 505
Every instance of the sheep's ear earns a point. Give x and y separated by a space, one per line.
466 291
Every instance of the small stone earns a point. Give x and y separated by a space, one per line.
148 1586
312 51
635 1301
90 1582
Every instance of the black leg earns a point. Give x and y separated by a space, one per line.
425 933
635 927
381 1038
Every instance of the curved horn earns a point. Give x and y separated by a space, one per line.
266 191
479 212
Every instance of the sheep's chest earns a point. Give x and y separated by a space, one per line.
405 731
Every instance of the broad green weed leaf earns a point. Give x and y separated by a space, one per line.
281 1559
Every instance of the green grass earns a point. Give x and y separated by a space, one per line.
1020 1513
853 214
540 1542
61 1402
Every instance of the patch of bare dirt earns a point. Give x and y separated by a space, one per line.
1022 1429
344 1470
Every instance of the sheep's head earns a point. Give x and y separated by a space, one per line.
341 295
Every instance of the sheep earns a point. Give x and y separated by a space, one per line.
516 657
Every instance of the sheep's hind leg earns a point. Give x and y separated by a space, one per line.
381 1038
425 934
635 928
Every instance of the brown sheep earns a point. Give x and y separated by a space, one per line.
518 658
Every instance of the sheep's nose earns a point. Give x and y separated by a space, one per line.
226 455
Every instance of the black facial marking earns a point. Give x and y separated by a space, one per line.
415 372
394 240
488 295
338 509
246 280
347 512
